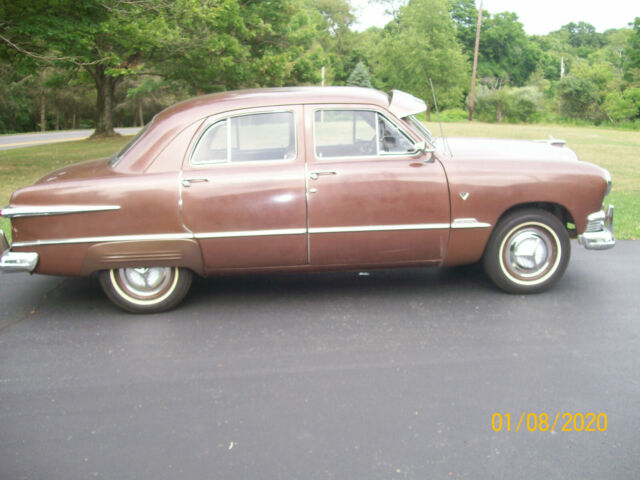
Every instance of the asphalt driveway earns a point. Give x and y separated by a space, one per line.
392 375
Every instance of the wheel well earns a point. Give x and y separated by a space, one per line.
560 212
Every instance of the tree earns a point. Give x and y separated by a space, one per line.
419 45
506 51
465 17
579 97
359 76
583 37
109 39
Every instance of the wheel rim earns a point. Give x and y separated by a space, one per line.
530 253
144 286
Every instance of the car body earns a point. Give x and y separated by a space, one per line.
305 179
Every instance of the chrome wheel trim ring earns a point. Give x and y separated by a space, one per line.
144 286
530 253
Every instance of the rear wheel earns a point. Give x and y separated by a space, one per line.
528 252
146 289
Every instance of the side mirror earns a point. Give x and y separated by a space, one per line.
423 147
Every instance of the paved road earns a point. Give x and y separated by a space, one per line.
31 139
395 375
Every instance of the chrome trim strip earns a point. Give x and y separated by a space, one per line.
37 211
252 233
468 223
380 228
256 233
113 238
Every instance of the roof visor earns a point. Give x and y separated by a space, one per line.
403 104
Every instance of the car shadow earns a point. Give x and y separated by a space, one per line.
419 281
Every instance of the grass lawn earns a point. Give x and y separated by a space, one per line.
616 150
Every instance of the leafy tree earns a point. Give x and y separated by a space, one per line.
583 37
506 52
620 106
465 17
579 97
420 45
106 38
359 77
229 44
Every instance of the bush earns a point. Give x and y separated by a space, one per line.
514 105
454 115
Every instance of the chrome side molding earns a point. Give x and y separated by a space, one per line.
38 211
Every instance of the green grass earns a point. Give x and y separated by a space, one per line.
22 166
616 150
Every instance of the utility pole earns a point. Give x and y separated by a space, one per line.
475 64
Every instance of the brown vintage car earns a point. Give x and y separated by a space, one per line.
305 179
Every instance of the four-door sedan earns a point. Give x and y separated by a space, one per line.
305 179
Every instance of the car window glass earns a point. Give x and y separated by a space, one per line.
345 133
357 133
246 138
392 140
212 147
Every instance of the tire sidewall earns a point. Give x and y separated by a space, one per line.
179 286
493 259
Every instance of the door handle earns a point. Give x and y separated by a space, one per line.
186 182
315 175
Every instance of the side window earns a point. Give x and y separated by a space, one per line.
344 133
248 138
392 140
357 133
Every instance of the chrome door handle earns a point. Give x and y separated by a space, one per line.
315 175
186 182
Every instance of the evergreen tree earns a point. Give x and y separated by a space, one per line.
359 77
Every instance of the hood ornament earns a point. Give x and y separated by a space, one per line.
464 195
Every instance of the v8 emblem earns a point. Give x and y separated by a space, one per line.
464 195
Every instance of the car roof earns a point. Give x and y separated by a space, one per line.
262 97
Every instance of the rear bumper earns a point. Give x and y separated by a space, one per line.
599 232
15 261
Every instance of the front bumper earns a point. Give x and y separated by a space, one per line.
599 232
15 261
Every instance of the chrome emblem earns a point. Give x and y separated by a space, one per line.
464 195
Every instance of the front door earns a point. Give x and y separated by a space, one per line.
243 193
372 199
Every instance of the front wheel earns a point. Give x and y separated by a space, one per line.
146 290
528 252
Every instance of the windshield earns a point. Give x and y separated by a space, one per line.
421 128
116 156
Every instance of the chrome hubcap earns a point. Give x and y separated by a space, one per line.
145 282
530 253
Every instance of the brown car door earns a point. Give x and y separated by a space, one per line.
372 200
243 191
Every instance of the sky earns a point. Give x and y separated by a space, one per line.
538 16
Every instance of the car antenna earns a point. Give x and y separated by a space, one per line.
435 103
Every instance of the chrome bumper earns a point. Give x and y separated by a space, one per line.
15 261
599 232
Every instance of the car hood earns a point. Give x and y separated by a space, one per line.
498 149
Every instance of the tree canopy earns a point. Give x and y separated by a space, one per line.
102 63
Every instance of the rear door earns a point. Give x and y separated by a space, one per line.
243 193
